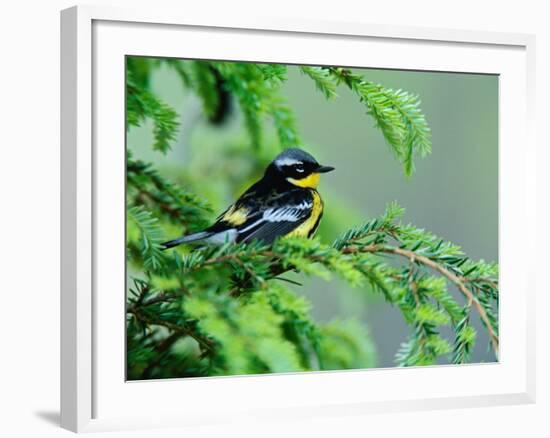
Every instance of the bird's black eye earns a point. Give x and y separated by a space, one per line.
299 168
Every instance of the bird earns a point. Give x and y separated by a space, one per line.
284 202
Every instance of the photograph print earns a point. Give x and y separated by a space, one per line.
294 218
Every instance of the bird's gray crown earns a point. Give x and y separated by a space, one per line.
292 156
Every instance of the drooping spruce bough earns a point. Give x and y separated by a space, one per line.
223 310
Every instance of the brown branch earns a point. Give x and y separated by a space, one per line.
458 282
175 328
150 199
161 297
236 257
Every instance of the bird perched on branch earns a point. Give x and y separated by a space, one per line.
284 202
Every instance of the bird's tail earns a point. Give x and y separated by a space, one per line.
185 239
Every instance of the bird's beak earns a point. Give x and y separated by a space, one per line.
324 169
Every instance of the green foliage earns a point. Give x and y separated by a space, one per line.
346 345
249 334
256 88
205 311
166 200
397 114
423 299
143 226
247 323
142 105
323 80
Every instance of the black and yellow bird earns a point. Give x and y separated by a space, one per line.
284 202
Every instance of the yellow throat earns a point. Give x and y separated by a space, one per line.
310 182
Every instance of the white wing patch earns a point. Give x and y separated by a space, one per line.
281 214
290 214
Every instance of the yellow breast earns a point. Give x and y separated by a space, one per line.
309 226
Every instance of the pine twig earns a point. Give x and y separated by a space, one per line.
458 282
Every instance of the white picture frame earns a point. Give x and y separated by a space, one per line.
93 395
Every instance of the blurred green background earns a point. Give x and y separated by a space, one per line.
453 193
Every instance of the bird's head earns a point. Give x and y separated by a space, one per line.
298 168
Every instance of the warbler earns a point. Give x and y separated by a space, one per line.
284 202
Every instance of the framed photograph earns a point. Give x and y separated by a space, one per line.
289 218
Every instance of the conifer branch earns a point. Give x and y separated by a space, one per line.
141 105
323 80
251 268
256 87
146 188
458 282
397 114
151 237
260 264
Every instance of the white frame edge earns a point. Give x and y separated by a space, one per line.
76 220
77 196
